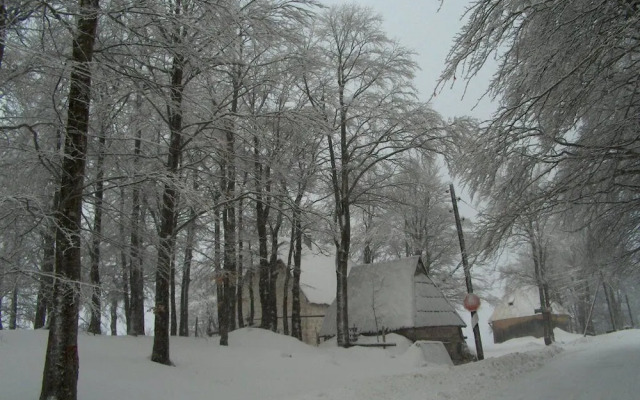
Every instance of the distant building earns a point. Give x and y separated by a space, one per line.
317 291
398 296
515 316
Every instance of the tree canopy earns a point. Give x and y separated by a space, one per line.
566 134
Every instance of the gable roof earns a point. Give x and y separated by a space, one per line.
521 302
395 294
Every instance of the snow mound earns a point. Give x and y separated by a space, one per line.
260 364
264 338
566 337
401 343
528 343
427 353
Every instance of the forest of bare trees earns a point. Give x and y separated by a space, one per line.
153 149
159 157
559 158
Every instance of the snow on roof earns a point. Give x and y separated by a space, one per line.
432 308
521 302
317 272
387 295
318 276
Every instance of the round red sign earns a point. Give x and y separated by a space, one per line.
471 302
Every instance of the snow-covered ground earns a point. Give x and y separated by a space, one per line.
262 365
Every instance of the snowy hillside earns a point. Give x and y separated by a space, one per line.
262 365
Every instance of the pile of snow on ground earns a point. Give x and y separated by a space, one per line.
265 365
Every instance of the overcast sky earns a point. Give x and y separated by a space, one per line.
428 28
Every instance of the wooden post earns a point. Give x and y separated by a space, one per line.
467 273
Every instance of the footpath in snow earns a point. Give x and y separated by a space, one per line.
261 365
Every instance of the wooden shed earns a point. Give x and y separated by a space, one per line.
515 316
398 296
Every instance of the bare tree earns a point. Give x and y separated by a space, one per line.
60 376
567 82
362 91
96 303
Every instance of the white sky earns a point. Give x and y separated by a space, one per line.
428 28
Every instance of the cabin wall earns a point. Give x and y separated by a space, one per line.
531 325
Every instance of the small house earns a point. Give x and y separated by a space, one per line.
515 316
398 296
317 291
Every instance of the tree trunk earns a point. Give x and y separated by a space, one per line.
342 318
13 311
229 225
136 275
227 309
252 298
3 29
368 254
296 321
218 270
114 316
60 375
618 309
274 270
240 266
262 175
610 306
263 283
95 325
340 180
160 352
584 303
174 312
538 265
186 274
43 302
124 269
287 280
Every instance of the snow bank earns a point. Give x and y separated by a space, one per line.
259 364
427 353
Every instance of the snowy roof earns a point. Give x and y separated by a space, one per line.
318 276
395 294
317 272
522 302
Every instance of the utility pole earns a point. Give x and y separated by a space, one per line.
467 273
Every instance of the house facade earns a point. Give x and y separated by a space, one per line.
398 296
